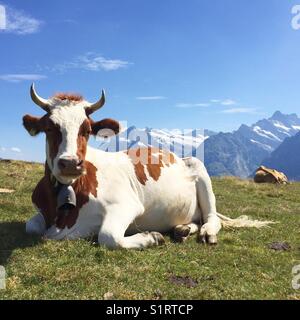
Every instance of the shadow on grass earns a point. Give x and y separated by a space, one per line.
13 236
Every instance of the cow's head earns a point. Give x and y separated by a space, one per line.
67 125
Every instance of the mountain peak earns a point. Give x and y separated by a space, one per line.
283 117
277 114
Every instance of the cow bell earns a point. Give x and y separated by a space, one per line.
66 198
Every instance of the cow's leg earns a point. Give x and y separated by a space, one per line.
183 231
36 225
115 224
207 202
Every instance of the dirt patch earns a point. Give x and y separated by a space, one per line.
280 246
187 281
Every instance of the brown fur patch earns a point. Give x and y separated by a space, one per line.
68 96
54 137
82 139
151 159
32 124
44 197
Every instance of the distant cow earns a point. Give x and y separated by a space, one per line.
126 198
266 175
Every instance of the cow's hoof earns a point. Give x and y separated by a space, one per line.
158 238
212 239
181 233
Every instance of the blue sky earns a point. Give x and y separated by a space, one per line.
166 64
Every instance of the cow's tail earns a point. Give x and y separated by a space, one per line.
242 222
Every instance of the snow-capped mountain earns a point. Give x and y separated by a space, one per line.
239 153
270 133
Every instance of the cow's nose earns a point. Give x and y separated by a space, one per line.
69 163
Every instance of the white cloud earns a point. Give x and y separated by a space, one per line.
228 102
18 77
92 62
225 102
96 63
192 105
15 149
151 98
240 110
19 22
12 149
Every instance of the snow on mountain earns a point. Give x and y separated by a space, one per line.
271 132
181 142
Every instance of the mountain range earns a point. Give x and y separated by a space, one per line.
240 152
236 153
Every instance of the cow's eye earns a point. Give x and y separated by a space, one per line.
48 130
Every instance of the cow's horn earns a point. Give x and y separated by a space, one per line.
96 106
43 103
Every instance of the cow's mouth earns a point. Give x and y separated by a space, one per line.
74 173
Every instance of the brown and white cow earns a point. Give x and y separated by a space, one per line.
126 198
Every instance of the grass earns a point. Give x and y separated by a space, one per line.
241 266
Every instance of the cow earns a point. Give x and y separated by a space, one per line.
128 199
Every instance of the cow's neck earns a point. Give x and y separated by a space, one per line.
84 187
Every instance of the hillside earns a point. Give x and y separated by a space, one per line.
286 158
231 154
241 266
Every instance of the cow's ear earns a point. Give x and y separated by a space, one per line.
32 124
105 128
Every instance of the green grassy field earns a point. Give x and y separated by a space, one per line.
241 266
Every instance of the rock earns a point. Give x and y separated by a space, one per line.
266 175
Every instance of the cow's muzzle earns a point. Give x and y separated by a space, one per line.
71 166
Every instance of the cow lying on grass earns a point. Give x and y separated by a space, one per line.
126 198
